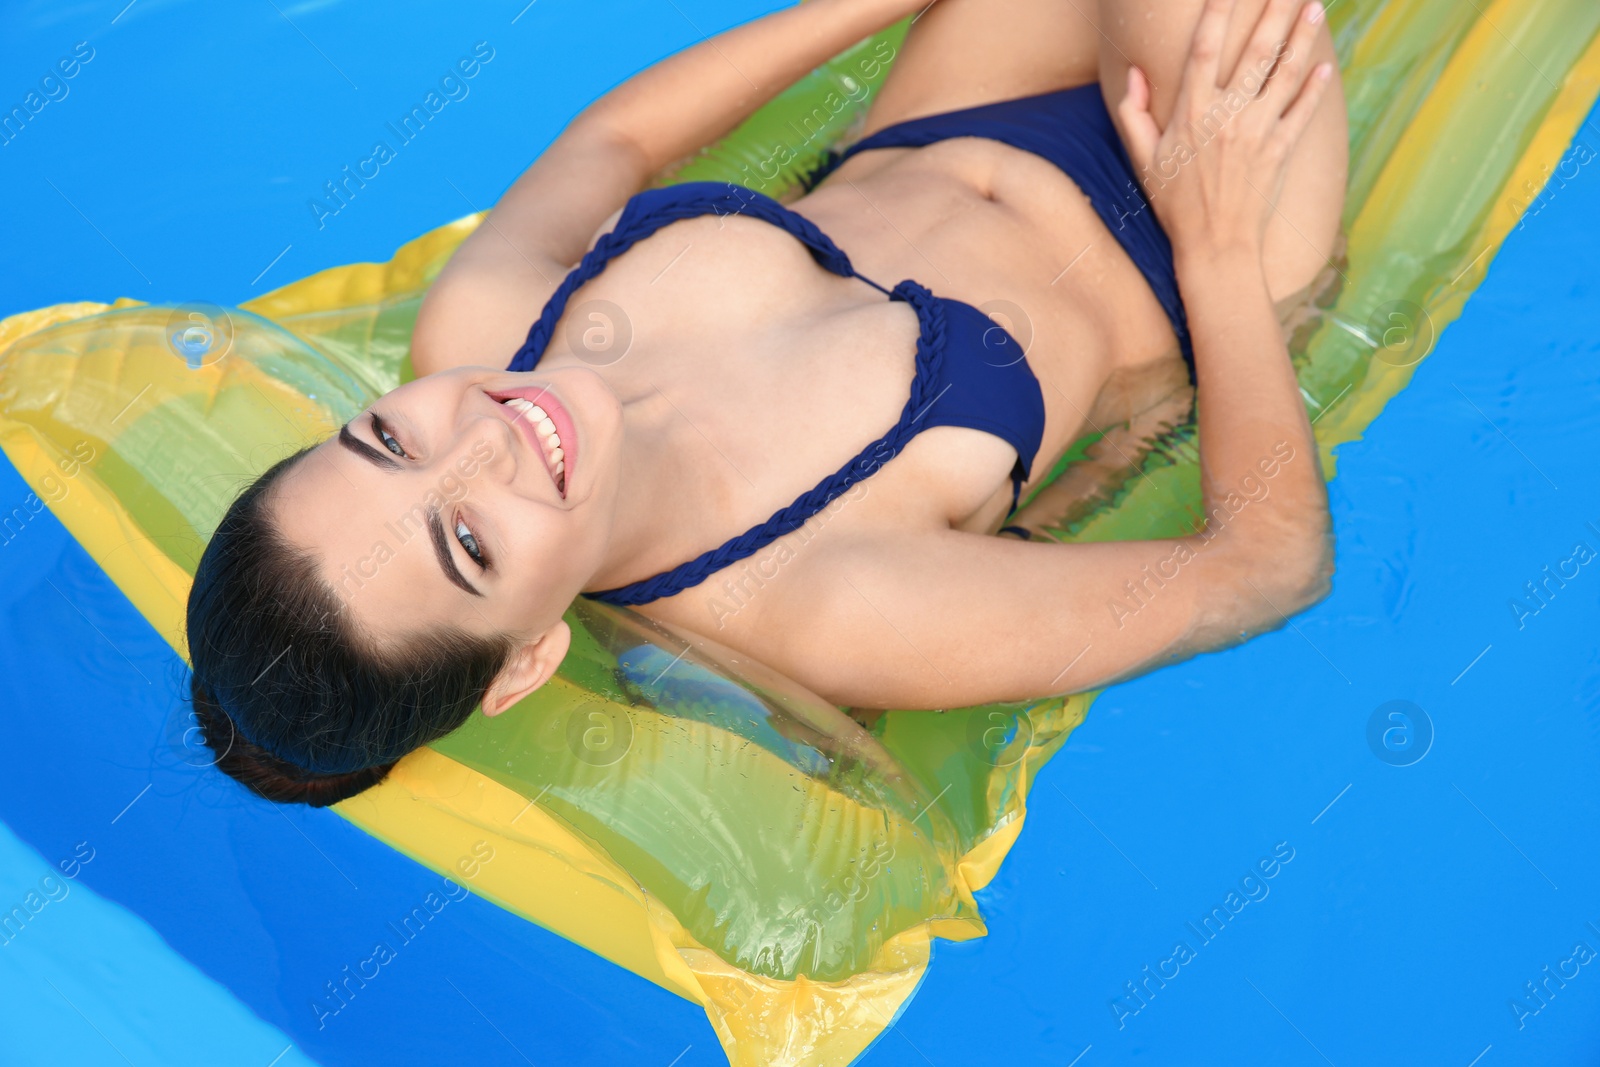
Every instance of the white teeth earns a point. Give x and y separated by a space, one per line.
537 417
545 430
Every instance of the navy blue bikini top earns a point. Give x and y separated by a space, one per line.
969 371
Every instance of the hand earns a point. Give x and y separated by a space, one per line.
1214 174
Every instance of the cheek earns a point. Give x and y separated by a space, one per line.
550 557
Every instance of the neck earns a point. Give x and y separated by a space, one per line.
654 504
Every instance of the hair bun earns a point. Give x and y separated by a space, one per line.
264 773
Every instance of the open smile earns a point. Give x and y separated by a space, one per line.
546 425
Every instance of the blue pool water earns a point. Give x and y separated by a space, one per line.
181 164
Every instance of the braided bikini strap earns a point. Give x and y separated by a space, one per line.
930 358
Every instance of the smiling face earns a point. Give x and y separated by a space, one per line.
471 498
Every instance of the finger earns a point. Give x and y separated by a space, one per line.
1205 50
1298 116
1295 63
1266 45
1138 124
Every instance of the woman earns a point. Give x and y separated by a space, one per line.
797 449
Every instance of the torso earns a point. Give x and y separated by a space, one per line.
776 371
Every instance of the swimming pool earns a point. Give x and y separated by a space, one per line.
1416 903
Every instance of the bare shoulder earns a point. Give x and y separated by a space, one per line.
945 618
902 618
478 311
935 619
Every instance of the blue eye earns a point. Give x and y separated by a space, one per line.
385 438
469 541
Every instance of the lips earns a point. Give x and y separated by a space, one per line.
557 412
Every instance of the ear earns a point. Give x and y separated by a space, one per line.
528 668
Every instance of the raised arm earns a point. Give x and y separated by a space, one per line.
951 619
543 224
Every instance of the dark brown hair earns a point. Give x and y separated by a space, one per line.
294 701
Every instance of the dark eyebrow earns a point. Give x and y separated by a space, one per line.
441 546
366 451
441 543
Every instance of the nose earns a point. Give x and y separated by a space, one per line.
484 448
